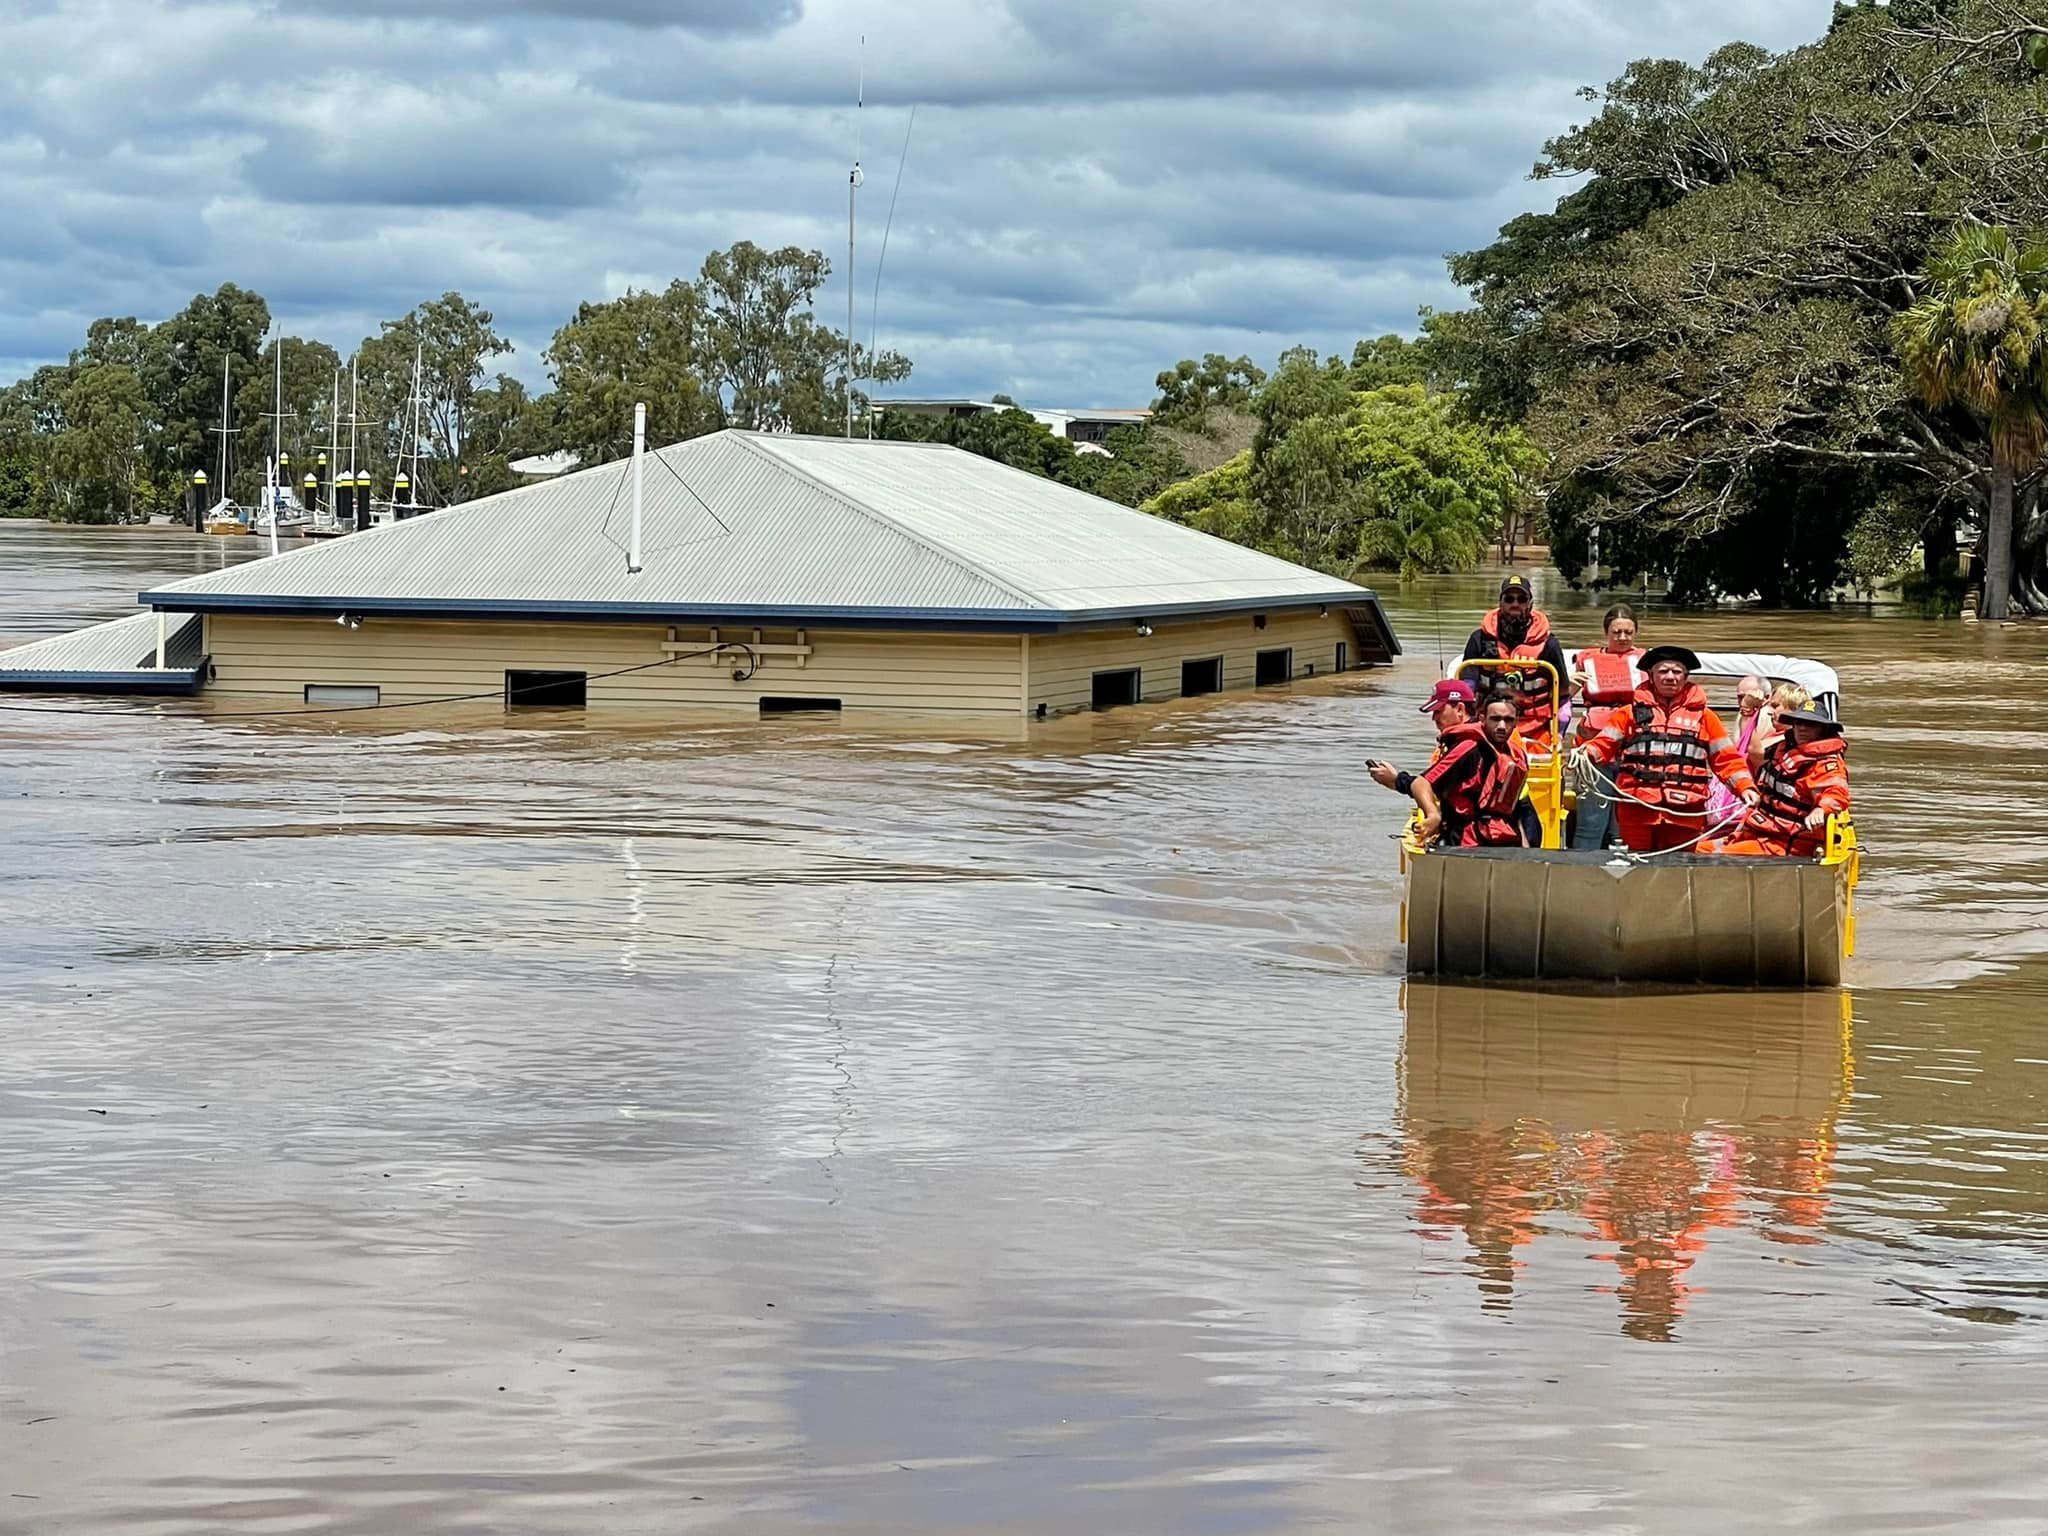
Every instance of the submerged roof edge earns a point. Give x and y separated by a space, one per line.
1001 620
171 680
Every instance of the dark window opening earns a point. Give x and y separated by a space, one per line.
772 704
1343 657
1116 688
1273 667
546 690
1200 677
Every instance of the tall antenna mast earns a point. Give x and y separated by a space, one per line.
852 186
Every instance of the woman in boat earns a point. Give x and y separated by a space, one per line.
1667 749
1805 780
1606 678
1750 694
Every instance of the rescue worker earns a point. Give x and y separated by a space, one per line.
1607 678
1470 794
1804 780
1518 630
1667 748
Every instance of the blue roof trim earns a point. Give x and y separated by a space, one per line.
1014 621
172 680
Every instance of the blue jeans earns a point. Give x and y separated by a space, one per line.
1596 813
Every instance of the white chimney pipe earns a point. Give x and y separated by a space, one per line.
639 460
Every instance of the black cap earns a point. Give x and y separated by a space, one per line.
1657 653
1513 582
1808 717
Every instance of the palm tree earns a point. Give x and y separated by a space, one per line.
1975 340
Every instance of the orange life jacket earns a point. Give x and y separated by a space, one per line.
1531 685
1666 759
1794 783
1611 680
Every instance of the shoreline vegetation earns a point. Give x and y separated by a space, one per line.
1784 338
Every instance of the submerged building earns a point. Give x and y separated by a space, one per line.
773 572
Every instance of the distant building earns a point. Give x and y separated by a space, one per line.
542 466
1076 426
777 572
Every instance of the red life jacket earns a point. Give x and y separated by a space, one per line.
1665 758
1530 685
1611 680
1497 789
1788 791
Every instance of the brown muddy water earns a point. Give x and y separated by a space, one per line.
435 1123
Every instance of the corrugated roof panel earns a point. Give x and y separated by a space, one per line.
1068 549
118 649
747 520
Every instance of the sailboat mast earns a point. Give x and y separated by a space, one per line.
222 488
276 439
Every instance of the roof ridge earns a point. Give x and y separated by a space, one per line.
873 515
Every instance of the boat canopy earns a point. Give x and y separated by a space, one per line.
1817 678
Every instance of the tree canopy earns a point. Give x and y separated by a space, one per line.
1700 335
1393 477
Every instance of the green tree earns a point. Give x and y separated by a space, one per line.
180 369
775 366
1974 340
1699 336
452 339
1395 478
641 347
1190 390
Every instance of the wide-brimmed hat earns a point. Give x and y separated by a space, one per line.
1809 717
1452 690
1678 653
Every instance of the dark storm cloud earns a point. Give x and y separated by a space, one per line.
1092 191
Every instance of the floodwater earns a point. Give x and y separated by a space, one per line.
434 1123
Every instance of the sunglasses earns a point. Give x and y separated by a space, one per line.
1514 599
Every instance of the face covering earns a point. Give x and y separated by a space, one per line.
1514 625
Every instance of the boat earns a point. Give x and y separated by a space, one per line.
226 520
1560 914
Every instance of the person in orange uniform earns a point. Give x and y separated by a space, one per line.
1805 780
1469 792
1607 678
1667 748
1520 631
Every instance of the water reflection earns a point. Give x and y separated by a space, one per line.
1636 1127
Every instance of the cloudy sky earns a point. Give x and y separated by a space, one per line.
1093 189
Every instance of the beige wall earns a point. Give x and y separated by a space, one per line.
429 659
1062 667
420 659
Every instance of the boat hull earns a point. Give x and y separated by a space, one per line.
1513 914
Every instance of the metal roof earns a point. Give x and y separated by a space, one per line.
742 524
112 657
